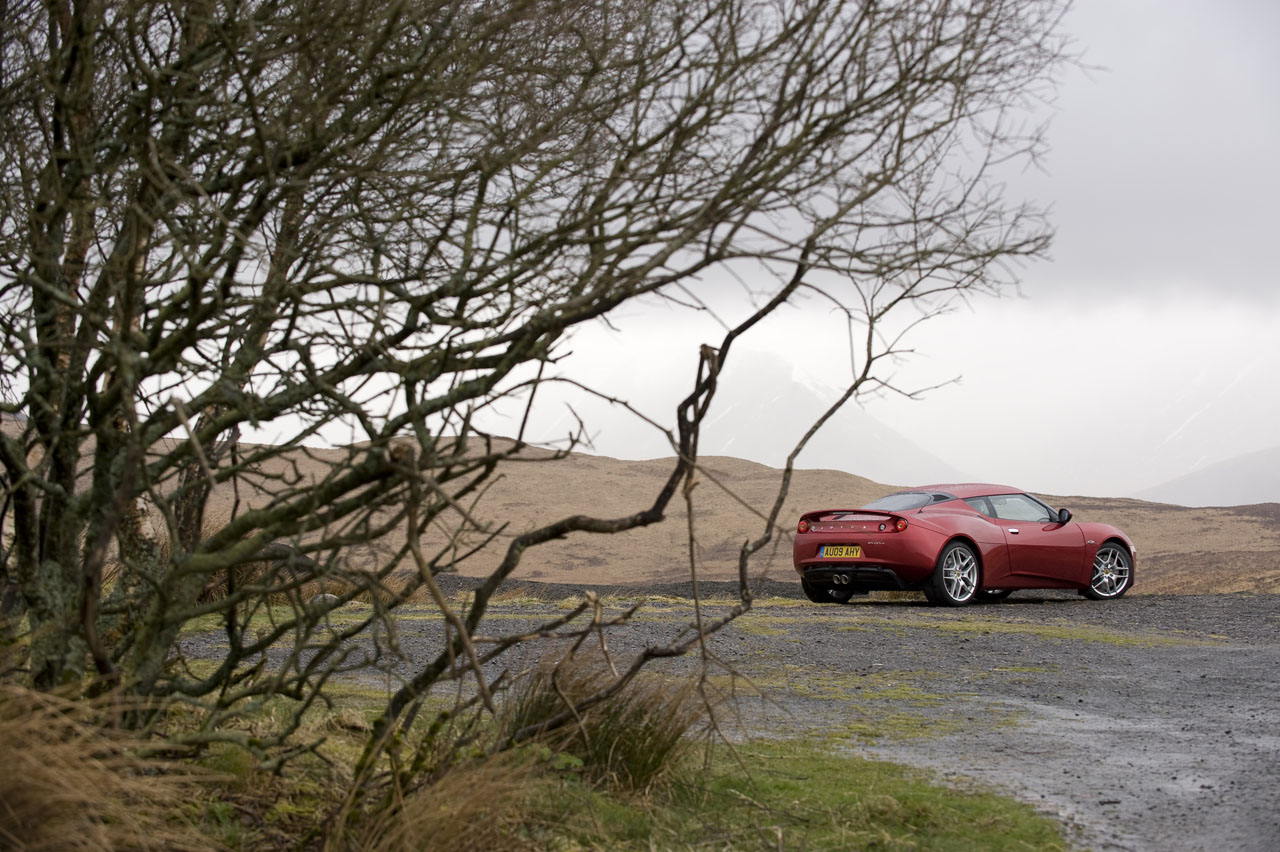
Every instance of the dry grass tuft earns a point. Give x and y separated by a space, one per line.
632 740
69 784
473 808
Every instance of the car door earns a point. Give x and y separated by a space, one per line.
1039 546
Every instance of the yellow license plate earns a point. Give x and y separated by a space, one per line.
841 550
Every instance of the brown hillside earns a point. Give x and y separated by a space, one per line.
535 494
1180 550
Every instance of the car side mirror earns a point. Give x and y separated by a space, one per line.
1064 515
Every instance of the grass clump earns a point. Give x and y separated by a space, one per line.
482 805
631 739
69 783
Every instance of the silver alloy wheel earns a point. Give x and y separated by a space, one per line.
1110 571
960 574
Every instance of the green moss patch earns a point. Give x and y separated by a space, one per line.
1040 630
799 794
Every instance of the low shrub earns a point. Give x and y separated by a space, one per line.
631 740
71 784
476 807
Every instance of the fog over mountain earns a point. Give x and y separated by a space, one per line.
765 405
1244 479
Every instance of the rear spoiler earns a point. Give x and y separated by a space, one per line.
820 513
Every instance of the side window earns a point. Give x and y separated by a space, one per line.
982 504
1019 507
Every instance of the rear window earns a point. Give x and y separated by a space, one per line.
906 500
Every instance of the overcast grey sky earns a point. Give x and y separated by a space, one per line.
1158 320
1147 346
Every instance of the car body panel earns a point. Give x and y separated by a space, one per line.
1049 551
1033 549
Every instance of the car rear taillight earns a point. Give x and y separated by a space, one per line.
804 526
900 524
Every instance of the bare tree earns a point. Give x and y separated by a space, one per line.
385 217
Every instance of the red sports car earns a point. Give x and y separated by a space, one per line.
957 544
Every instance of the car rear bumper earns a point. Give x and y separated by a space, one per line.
856 578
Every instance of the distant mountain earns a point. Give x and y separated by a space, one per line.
763 408
1244 479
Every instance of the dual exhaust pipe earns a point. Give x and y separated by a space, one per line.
841 579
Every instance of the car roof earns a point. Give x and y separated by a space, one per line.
968 489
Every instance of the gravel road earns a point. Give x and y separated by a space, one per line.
1147 724
1168 744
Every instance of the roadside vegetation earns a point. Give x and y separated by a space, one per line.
642 769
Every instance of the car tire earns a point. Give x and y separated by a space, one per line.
814 593
954 581
1112 573
826 594
993 595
